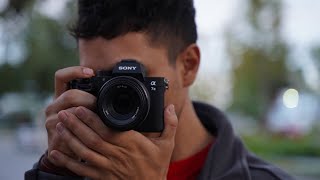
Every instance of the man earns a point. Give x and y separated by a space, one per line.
197 141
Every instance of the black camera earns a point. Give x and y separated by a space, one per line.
126 98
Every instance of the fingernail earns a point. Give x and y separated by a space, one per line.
80 113
63 116
171 109
87 71
60 127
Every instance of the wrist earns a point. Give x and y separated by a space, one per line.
47 166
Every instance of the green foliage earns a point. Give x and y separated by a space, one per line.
259 64
48 48
257 7
316 54
315 51
257 80
267 145
15 7
9 79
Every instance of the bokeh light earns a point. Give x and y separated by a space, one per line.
291 98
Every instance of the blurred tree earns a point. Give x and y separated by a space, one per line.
259 58
15 7
316 54
8 79
50 48
46 44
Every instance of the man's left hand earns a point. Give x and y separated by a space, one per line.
108 154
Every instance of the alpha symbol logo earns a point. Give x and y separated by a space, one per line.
153 83
127 68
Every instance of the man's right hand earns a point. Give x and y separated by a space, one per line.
66 99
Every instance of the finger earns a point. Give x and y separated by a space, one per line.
53 120
80 149
54 139
79 168
64 76
171 123
86 135
116 138
92 120
72 98
71 110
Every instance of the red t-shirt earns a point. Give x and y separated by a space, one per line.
188 169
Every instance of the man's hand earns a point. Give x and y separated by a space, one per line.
114 155
66 100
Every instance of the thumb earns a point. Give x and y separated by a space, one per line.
171 123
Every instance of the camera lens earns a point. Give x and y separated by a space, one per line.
123 103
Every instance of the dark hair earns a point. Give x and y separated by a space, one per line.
166 22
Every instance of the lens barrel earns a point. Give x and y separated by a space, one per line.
123 103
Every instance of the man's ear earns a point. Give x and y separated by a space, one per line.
188 62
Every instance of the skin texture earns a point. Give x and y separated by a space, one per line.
75 132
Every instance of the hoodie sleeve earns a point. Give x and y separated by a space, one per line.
36 174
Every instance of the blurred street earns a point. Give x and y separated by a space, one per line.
14 162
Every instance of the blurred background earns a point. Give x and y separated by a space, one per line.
260 65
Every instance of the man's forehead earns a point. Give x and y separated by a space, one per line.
100 53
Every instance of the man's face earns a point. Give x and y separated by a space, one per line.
102 54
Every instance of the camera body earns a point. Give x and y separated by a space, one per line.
126 98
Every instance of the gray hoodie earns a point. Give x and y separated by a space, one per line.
227 159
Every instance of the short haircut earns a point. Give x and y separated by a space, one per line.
168 23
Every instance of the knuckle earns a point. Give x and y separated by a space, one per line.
122 152
65 135
53 161
69 96
134 135
85 154
49 110
47 125
71 110
55 143
105 135
70 123
95 142
51 122
89 120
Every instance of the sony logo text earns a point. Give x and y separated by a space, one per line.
127 68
